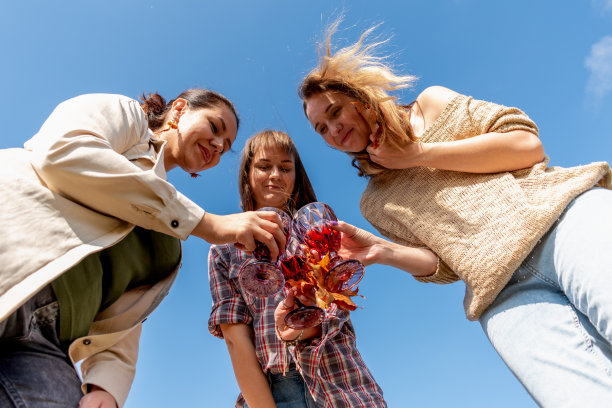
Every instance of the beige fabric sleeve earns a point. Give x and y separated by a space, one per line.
113 368
78 153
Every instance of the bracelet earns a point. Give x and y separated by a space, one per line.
288 343
284 306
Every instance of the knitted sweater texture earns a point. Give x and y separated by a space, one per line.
481 226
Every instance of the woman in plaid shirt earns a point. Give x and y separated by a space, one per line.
322 369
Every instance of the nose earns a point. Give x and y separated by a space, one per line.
217 144
336 128
275 173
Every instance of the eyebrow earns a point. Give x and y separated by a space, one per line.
325 111
282 161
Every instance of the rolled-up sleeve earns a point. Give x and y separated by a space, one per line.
80 153
228 305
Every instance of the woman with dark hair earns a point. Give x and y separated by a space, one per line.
324 368
462 189
92 238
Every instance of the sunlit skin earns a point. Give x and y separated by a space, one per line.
336 118
201 138
272 177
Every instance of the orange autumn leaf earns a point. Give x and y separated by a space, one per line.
314 278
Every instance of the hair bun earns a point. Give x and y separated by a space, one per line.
154 104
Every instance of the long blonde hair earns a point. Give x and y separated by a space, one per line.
302 193
355 71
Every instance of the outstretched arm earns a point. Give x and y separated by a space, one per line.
243 229
368 248
249 375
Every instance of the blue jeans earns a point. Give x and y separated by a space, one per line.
552 323
289 390
35 371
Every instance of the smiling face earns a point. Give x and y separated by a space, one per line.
272 177
201 138
333 116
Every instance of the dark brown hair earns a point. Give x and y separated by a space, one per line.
156 108
303 192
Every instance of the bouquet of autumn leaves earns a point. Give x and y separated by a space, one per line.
311 265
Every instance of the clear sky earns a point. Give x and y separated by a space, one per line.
552 59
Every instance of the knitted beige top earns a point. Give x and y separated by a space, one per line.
481 226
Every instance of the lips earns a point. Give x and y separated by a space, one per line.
205 153
346 137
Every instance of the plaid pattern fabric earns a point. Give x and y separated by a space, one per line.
331 366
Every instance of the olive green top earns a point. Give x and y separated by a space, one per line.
481 226
143 257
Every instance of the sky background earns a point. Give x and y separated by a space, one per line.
552 59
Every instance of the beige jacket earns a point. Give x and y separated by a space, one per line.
81 183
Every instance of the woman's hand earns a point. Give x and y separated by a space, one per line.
286 306
97 398
390 157
356 243
243 229
368 248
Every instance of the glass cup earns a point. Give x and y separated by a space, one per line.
260 277
312 231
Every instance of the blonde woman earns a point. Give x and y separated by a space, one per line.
462 189
316 367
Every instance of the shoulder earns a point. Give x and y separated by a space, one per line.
220 250
101 104
100 98
436 97
433 100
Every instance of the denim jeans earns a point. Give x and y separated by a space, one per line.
35 371
552 323
289 390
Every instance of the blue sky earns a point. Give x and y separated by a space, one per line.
553 59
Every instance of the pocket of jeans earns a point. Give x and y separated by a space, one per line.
45 319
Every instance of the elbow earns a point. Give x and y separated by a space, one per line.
530 147
534 149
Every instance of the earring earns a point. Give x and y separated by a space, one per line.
194 175
171 125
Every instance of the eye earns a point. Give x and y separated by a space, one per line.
214 128
286 169
262 167
336 111
322 130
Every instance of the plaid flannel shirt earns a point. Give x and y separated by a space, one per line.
332 368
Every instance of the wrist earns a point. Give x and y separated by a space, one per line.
205 228
383 252
288 343
424 153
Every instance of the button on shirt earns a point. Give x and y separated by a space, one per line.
331 365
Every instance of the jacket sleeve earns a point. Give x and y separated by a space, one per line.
113 368
86 151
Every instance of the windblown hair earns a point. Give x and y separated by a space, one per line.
303 192
156 108
356 72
